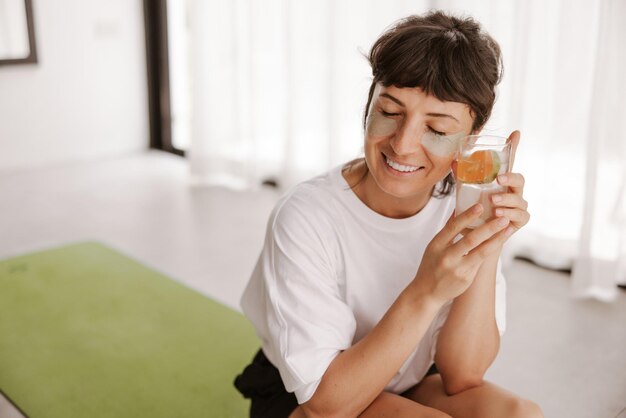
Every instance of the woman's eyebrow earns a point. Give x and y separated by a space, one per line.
389 96
436 115
442 115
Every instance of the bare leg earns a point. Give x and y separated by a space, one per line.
393 406
485 401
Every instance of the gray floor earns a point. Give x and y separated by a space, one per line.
567 355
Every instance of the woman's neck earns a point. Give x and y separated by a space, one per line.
366 189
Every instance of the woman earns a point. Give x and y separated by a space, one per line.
370 297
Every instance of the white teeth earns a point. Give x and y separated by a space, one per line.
400 167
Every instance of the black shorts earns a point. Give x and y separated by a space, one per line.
261 383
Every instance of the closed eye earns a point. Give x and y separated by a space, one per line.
387 114
436 132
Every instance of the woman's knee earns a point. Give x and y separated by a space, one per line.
434 413
524 408
388 404
439 414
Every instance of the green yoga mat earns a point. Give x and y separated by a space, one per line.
88 332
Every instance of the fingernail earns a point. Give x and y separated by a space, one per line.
499 212
478 208
496 198
503 221
502 178
509 231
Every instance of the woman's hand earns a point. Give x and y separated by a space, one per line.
512 204
448 268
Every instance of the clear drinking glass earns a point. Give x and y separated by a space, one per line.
481 158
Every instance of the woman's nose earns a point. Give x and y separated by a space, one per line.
407 141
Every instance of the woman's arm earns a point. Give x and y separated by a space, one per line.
359 374
469 340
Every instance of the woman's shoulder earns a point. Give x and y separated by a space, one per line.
311 202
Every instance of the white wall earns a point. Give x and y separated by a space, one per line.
87 95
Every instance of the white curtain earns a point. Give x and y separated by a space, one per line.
567 96
602 247
278 88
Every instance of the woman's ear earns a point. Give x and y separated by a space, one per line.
453 167
477 131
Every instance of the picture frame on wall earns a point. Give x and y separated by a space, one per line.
17 33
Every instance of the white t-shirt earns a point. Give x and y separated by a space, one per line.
329 270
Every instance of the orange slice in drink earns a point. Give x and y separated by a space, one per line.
479 168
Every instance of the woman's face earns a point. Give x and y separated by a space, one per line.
411 139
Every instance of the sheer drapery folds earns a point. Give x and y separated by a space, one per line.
567 89
278 88
602 247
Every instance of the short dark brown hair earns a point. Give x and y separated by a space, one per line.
447 56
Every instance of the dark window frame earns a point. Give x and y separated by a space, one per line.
157 58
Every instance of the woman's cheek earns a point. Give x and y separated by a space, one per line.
441 146
380 125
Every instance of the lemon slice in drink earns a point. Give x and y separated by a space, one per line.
480 167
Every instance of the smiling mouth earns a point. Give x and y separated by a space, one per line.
400 167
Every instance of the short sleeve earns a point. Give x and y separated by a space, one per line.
500 299
308 320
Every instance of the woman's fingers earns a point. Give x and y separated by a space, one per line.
515 137
509 200
515 181
478 236
517 216
488 247
456 224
